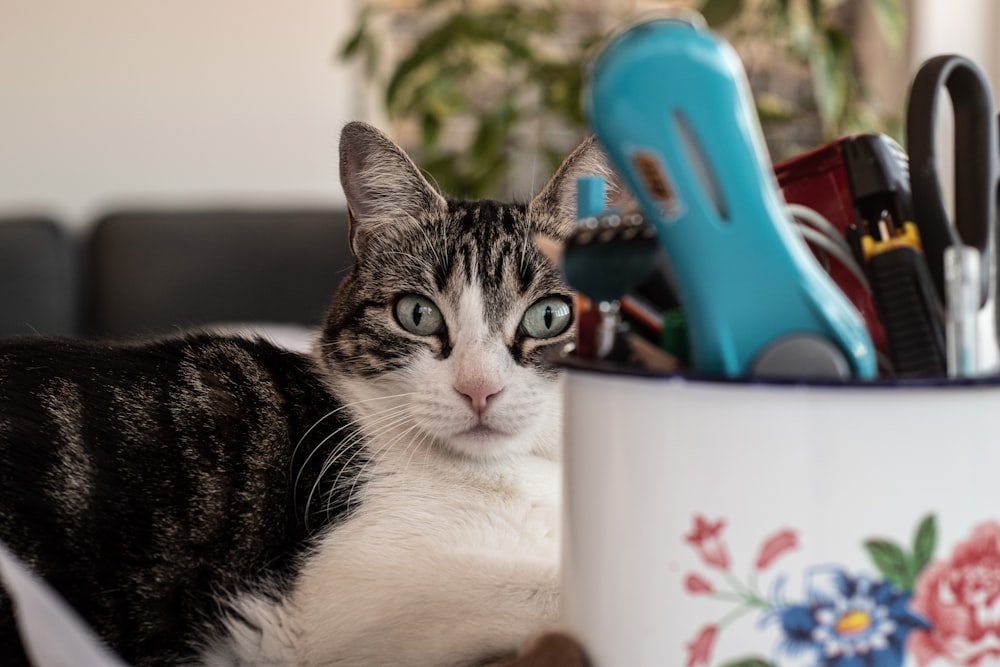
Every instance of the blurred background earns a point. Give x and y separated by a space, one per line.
198 107
111 102
117 102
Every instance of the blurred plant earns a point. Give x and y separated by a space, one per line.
814 34
504 68
484 84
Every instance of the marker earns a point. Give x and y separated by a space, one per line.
962 279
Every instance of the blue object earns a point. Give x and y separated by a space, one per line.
670 103
590 192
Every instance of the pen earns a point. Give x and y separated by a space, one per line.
962 280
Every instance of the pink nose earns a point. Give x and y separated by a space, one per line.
478 394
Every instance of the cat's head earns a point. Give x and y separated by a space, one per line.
437 336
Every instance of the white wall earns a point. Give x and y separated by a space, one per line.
965 27
110 102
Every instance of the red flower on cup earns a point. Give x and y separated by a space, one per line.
700 650
777 544
961 599
697 585
705 538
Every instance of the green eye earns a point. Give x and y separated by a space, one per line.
419 315
546 317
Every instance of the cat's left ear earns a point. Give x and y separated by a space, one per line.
386 193
553 210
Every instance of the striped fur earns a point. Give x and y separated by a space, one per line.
391 499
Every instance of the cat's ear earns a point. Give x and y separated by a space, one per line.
386 193
553 210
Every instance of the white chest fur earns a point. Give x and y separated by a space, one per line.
444 562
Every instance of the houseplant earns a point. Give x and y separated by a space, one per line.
486 91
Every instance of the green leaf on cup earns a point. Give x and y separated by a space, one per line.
924 541
891 561
749 662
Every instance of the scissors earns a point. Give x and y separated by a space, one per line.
975 181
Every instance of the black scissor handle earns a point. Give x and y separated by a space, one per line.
976 149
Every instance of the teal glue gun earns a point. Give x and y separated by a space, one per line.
670 103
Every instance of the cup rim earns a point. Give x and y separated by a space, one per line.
564 359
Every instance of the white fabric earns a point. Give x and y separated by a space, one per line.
52 633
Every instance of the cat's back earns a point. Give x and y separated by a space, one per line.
142 479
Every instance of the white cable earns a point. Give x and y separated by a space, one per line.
812 217
819 231
844 257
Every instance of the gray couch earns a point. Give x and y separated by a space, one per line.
146 272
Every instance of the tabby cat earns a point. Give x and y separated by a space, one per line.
391 499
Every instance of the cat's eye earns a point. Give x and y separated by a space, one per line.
418 314
547 317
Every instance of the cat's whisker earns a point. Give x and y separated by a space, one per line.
312 428
383 422
380 397
416 445
340 448
345 406
397 416
373 430
417 262
348 406
391 444
360 473
427 453
421 444
326 468
349 441
411 444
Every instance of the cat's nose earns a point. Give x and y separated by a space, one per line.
478 394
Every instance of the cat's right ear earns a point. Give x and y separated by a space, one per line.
554 208
386 193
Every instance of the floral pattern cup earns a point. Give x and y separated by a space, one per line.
727 524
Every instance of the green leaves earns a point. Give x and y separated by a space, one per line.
486 70
831 64
898 566
749 662
890 560
891 20
923 543
719 12
814 33
507 73
361 44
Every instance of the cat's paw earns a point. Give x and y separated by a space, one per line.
552 649
545 600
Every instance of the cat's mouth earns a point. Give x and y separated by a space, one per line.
482 431
484 434
480 441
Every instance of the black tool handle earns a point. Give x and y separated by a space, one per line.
975 162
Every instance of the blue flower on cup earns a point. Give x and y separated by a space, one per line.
846 621
842 619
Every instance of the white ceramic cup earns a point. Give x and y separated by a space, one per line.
710 523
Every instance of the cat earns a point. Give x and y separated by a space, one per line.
390 499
